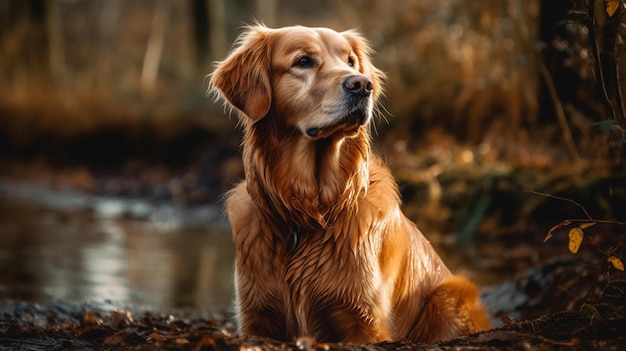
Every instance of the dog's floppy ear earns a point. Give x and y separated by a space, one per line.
243 78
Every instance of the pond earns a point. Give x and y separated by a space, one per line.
79 247
74 246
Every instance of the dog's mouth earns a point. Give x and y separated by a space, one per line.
348 124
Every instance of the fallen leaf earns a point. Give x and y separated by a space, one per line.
181 341
92 318
507 320
616 262
156 337
611 7
116 338
575 239
207 341
121 318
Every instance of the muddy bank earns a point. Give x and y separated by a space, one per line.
64 325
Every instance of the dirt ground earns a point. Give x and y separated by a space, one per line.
65 325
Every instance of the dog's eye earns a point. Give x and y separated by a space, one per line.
350 61
304 62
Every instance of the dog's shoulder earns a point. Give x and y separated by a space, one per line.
242 211
238 196
383 187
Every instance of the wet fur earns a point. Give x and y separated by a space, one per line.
323 249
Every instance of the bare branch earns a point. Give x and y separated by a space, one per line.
563 199
576 220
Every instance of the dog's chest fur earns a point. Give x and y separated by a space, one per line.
320 273
322 282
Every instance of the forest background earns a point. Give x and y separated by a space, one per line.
504 122
503 118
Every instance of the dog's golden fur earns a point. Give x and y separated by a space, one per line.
323 249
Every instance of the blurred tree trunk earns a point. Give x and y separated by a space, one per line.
266 11
608 28
55 41
154 49
25 43
37 45
108 15
218 29
210 29
201 32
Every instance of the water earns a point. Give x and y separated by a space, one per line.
78 247
72 246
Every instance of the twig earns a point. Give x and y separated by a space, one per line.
603 221
562 199
588 219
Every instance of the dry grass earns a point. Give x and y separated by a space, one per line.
465 66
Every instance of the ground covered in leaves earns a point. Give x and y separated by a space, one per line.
88 326
64 326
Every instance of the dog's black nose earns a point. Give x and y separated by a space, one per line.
358 85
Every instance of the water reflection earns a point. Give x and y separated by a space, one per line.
131 252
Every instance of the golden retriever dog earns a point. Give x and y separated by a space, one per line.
322 247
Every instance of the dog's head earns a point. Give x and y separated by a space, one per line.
315 80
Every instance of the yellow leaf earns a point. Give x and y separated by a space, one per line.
611 7
616 262
555 228
575 239
587 225
548 236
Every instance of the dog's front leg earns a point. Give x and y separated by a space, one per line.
264 321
